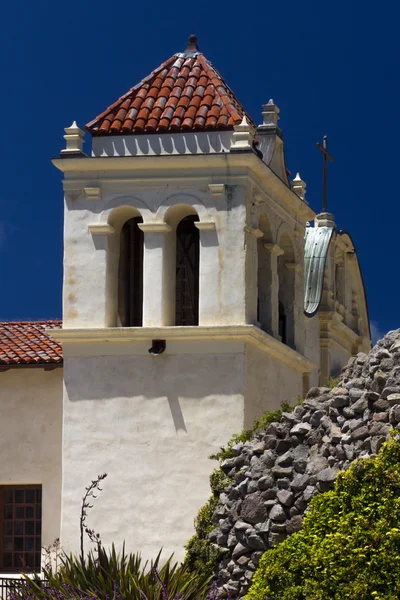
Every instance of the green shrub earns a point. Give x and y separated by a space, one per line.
109 575
349 547
202 555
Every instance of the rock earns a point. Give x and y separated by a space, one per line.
294 524
277 513
239 550
326 478
381 404
309 492
300 429
340 401
253 509
285 497
393 399
376 443
360 434
283 446
266 482
282 472
316 418
394 414
255 542
300 482
259 448
360 405
285 460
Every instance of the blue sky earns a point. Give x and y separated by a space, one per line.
330 67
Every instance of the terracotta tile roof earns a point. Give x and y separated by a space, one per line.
27 343
185 93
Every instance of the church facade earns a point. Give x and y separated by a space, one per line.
200 290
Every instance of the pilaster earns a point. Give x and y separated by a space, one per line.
158 275
275 251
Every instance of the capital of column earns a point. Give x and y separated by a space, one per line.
274 249
292 266
155 227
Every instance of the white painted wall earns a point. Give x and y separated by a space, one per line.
150 423
30 437
268 383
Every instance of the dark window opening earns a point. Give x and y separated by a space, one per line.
282 323
20 528
131 274
187 272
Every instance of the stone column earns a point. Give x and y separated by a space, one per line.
275 251
298 299
158 275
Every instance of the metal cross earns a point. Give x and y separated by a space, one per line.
327 156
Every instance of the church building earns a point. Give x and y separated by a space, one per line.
200 291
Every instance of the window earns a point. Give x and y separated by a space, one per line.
282 323
187 272
130 292
20 528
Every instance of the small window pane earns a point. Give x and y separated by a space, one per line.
29 527
38 496
38 528
19 512
7 559
19 543
29 512
38 512
8 512
19 496
29 544
18 527
8 529
8 496
30 496
8 544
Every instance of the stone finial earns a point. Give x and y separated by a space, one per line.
243 136
324 220
74 138
270 114
299 187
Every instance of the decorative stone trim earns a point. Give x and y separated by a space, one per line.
254 231
92 193
243 136
100 229
74 138
155 227
292 266
244 333
205 225
217 189
274 249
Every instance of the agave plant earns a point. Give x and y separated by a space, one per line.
115 576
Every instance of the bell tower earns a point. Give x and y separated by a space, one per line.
183 297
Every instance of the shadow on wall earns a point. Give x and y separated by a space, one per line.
139 382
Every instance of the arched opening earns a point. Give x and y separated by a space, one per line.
130 274
286 294
264 277
187 272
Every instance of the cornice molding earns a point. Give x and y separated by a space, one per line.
247 333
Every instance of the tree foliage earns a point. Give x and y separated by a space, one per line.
349 546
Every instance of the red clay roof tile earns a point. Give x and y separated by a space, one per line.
188 89
26 342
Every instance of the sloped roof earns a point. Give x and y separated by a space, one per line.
27 343
185 93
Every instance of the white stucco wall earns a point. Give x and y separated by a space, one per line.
268 383
150 423
30 438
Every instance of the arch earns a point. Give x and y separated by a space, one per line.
286 292
124 287
187 272
118 206
192 203
264 276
